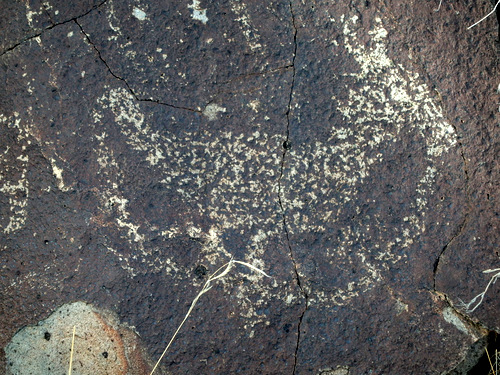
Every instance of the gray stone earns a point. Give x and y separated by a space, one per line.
101 345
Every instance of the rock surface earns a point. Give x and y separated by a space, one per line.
348 149
101 345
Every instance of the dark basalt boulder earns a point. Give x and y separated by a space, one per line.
347 149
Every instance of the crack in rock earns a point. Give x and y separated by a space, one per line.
27 39
87 38
465 220
475 329
475 358
459 232
286 147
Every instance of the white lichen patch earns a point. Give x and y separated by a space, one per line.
113 21
401 307
198 13
58 174
450 316
139 14
254 104
32 14
211 111
339 370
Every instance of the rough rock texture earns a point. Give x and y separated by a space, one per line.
349 149
101 345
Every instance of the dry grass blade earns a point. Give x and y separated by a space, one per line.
219 273
481 295
489 359
72 348
496 360
439 7
489 14
251 267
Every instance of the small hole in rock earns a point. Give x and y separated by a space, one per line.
200 271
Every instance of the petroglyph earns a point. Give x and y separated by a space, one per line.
329 144
14 184
385 101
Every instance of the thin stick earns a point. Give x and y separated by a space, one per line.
71 354
489 359
489 14
219 273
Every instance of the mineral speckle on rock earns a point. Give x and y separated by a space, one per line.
348 149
